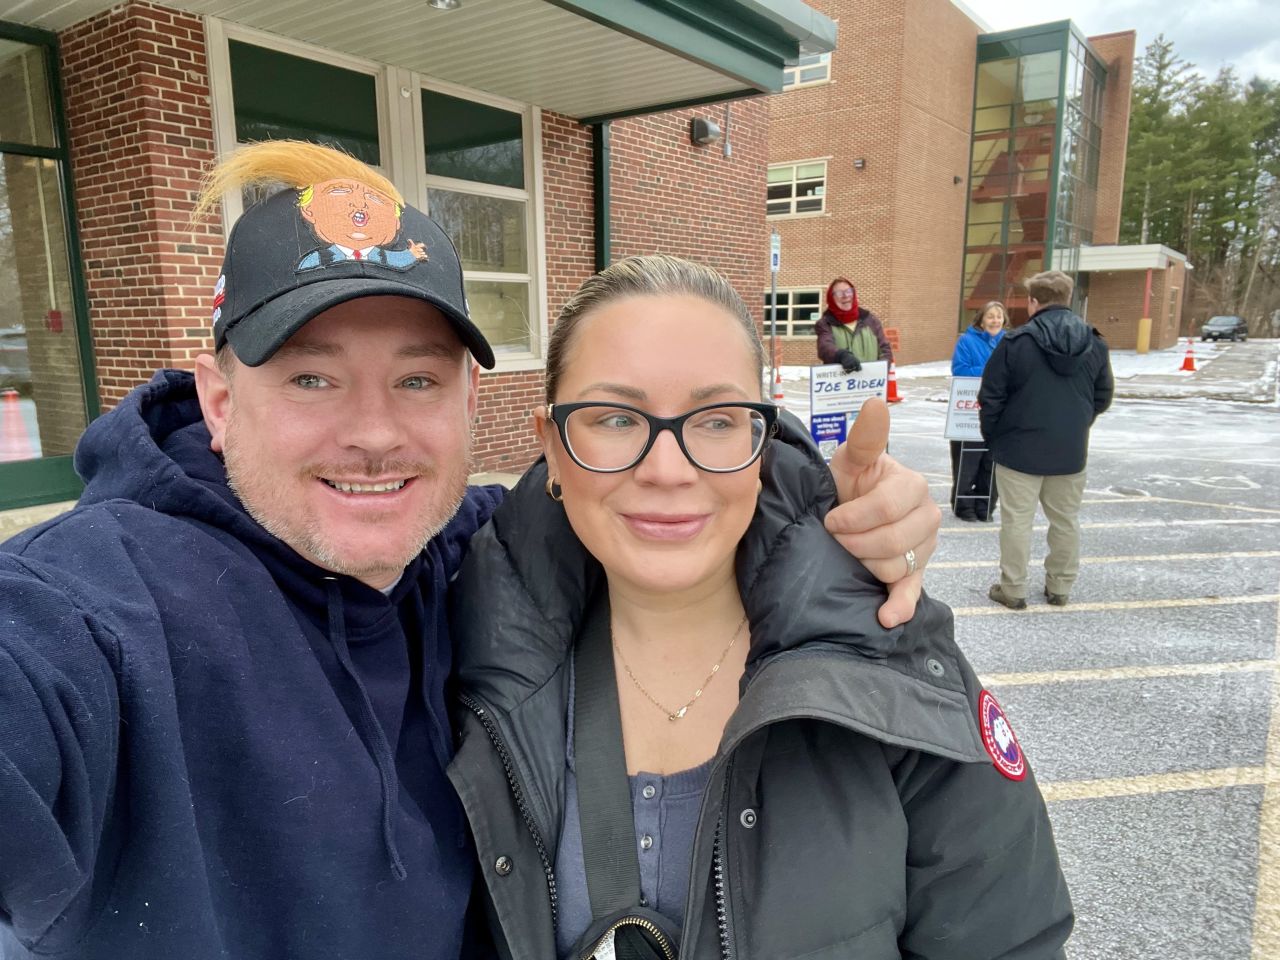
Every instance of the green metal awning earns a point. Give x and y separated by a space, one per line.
588 59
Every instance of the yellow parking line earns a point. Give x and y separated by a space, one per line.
1148 558
1172 602
1148 672
1156 783
1266 911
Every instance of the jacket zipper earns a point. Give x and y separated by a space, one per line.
517 793
652 929
719 871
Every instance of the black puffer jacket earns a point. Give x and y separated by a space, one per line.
1041 391
881 827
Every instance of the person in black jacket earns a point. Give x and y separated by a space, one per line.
790 778
1041 391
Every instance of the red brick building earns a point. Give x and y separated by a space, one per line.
548 138
937 166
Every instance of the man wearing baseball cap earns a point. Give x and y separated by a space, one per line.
222 674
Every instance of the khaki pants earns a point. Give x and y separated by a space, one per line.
1060 497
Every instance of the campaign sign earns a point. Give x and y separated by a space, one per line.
835 397
962 410
828 430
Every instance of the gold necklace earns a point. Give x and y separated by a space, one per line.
674 715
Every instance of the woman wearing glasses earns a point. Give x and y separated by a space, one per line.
691 735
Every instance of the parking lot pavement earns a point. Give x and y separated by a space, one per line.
1150 706
1243 372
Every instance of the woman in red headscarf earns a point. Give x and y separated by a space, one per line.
848 334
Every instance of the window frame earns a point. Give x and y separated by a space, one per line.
786 330
795 165
47 479
217 33
792 73
400 146
531 195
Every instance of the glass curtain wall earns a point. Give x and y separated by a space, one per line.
1078 156
1020 216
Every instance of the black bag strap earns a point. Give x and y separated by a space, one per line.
604 792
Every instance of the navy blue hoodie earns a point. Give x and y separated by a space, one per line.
211 747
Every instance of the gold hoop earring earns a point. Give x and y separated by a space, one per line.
553 491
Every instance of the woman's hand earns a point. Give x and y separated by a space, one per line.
885 510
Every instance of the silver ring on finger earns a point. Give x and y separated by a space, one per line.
910 557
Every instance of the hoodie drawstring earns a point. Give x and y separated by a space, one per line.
370 729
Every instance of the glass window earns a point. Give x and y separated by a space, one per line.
501 311
46 396
489 232
809 71
1040 76
997 81
280 96
27 115
796 188
472 141
798 311
42 405
475 164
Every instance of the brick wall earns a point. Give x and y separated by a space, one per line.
1115 305
900 98
670 196
939 58
1116 51
141 134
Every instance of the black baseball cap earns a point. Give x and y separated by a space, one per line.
283 268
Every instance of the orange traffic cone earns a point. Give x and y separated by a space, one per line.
778 395
892 395
15 442
1189 361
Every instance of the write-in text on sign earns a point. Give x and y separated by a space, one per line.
962 409
835 397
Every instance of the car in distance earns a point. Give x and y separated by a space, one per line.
1224 328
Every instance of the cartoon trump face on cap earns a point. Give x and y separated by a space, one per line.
356 222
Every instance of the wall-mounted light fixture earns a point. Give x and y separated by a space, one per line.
703 131
860 164
444 4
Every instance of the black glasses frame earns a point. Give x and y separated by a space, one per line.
559 414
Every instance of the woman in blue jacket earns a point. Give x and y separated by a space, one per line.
972 480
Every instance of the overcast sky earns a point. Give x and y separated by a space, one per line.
1206 33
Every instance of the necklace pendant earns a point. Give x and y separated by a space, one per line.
678 715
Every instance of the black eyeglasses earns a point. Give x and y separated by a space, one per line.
613 437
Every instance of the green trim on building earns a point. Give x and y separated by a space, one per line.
749 41
1055 159
30 150
602 208
30 482
677 105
